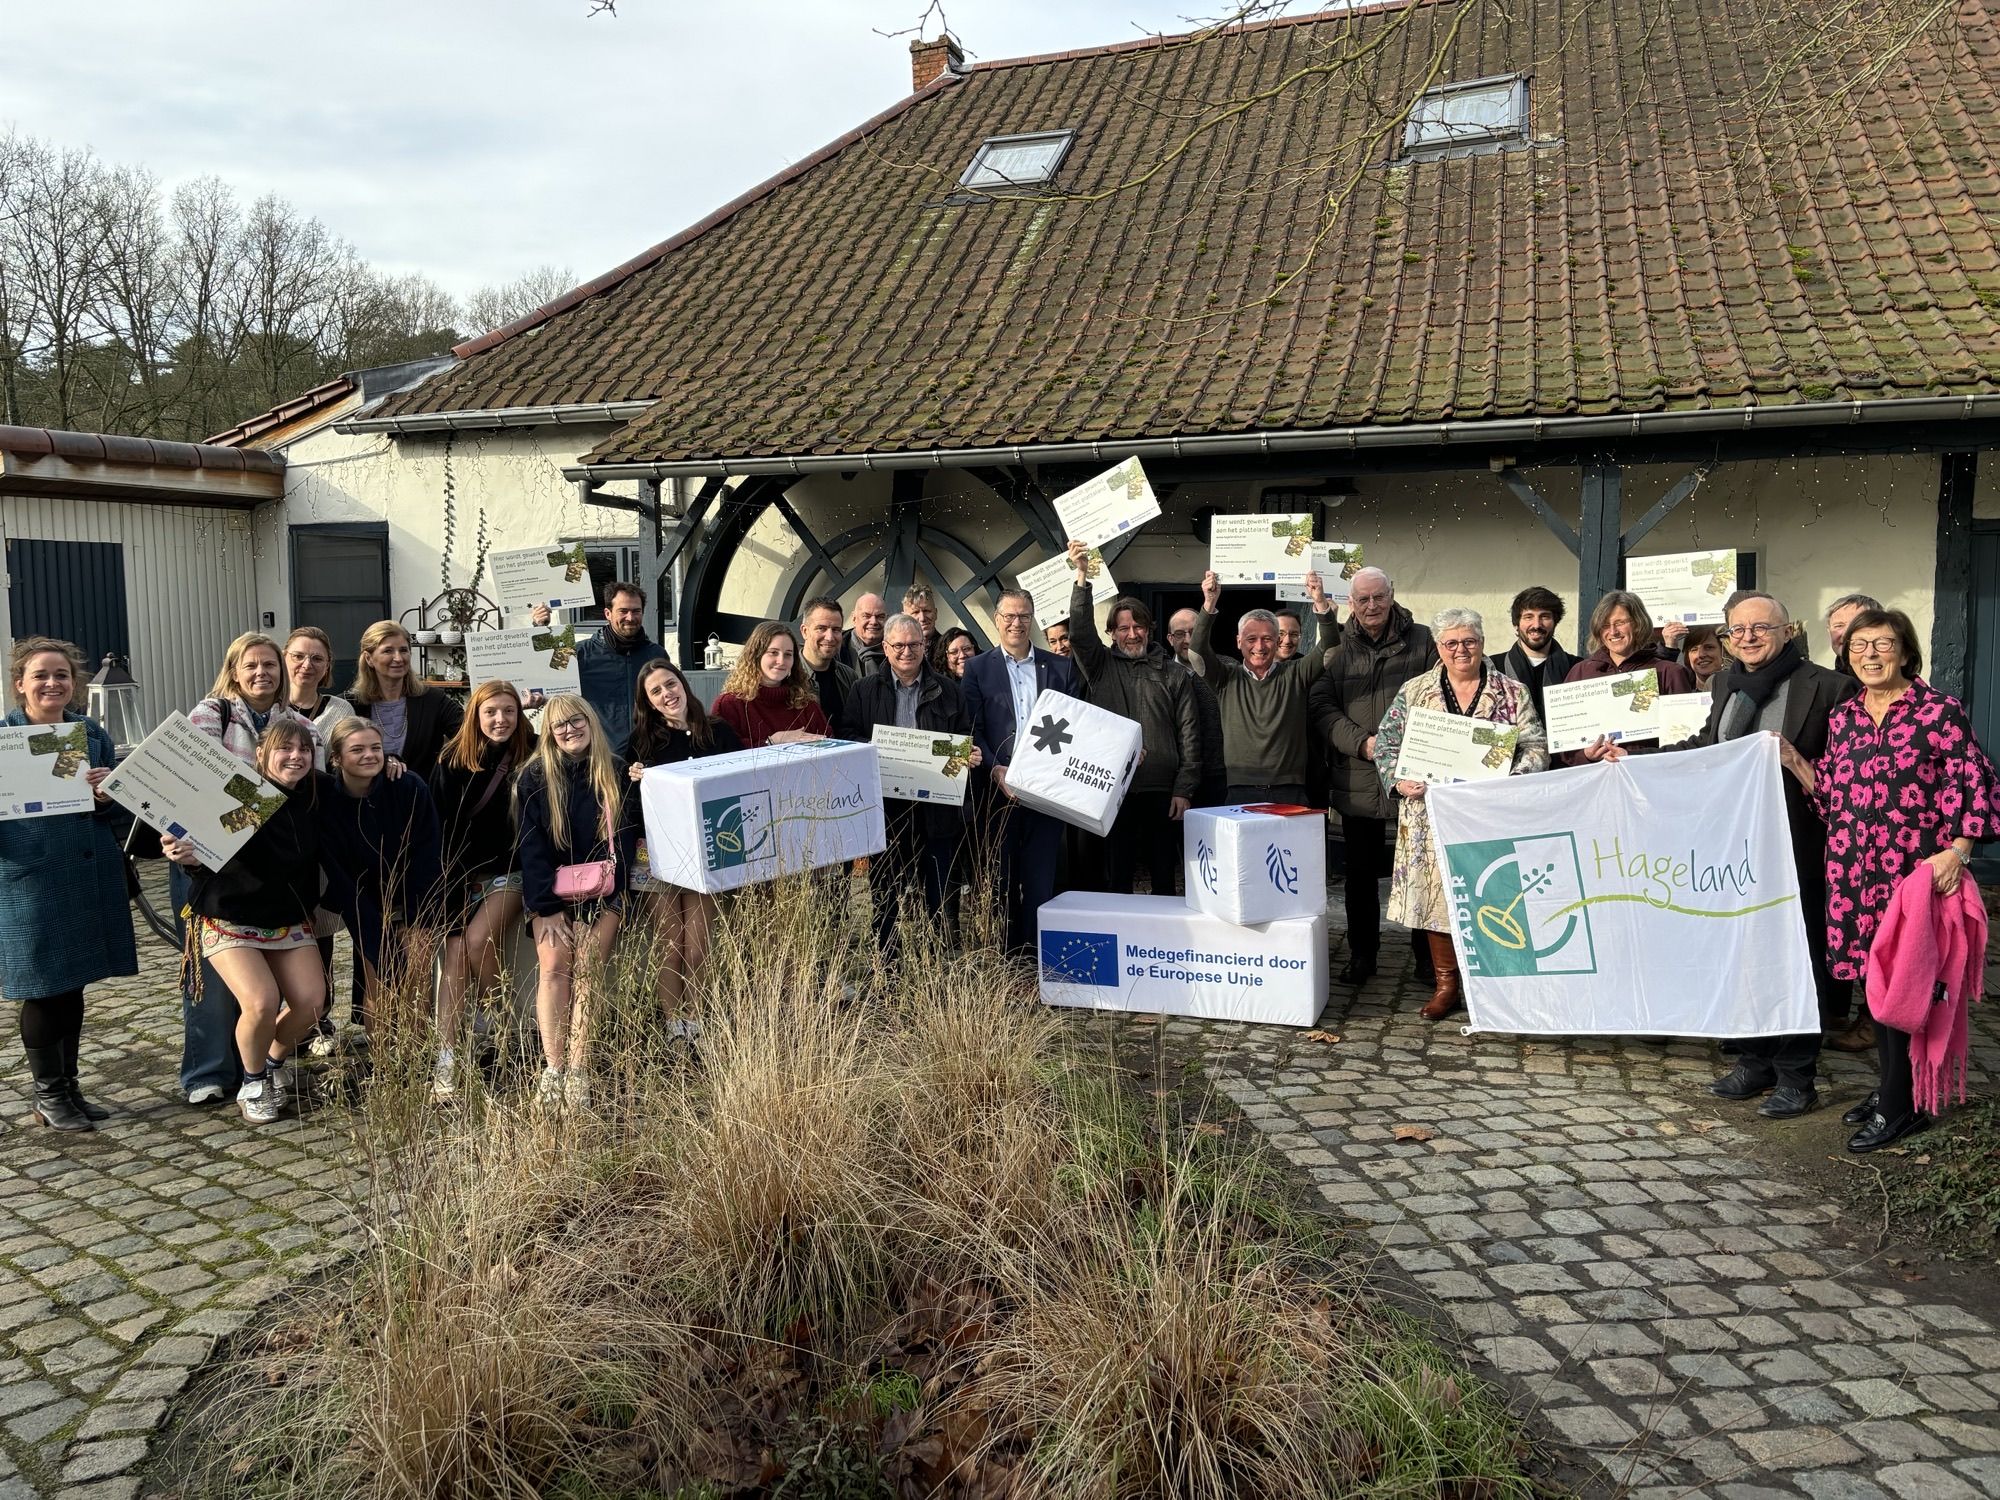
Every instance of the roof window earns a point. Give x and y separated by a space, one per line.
1463 119
1017 161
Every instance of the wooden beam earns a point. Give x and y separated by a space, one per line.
1531 497
1685 486
1951 617
1597 538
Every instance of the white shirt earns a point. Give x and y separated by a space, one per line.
1021 678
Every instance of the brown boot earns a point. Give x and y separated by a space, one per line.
1445 999
1860 1037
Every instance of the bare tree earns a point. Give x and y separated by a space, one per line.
496 306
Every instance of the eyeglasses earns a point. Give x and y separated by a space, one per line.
899 647
576 725
1013 617
1459 648
1753 632
1872 648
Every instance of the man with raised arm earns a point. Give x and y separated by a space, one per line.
1265 718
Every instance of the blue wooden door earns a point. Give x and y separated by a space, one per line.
74 591
1982 667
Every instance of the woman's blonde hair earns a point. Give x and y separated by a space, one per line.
344 731
746 678
367 687
30 646
606 779
311 633
242 646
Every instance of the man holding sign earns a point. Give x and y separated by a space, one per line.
1774 689
923 840
1263 699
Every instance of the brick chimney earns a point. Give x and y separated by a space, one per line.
929 59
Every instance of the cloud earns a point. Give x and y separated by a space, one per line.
473 139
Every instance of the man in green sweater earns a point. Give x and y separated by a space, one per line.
1264 720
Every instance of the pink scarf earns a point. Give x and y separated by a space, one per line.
1925 968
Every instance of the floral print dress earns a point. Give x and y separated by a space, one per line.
1416 889
1892 795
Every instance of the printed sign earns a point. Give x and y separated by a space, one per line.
1654 895
919 765
1622 708
1259 549
1074 761
42 770
184 783
1049 584
558 576
1683 716
1441 747
1690 587
1115 502
1335 562
540 656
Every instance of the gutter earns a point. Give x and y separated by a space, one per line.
1510 431
499 416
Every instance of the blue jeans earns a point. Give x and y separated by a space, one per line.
208 1025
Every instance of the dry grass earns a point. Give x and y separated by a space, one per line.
882 1234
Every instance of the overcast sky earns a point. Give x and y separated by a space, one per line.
474 139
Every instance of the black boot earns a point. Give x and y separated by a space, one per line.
52 1103
83 1106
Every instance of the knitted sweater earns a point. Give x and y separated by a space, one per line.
1264 724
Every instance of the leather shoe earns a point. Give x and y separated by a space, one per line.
1860 1037
1881 1131
1743 1082
1358 971
1861 1113
1788 1102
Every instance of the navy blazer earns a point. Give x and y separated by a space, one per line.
989 698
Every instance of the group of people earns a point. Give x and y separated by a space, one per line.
429 831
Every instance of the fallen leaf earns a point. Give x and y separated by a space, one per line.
1209 1127
1703 1127
1922 1161
1325 1038
1147 1020
1668 1127
1914 1276
1414 1133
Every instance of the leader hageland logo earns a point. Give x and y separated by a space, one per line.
1052 735
737 830
1519 906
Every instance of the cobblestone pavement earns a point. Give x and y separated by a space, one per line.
1619 1245
125 1254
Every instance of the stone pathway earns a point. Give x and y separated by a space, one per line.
1616 1243
125 1254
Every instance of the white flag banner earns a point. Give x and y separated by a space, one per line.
1654 895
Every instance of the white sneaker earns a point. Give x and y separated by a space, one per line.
575 1090
549 1087
444 1077
283 1079
684 1031
323 1044
208 1093
256 1103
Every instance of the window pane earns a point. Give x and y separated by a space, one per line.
1016 162
1465 115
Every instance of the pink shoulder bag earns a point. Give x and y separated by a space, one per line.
593 880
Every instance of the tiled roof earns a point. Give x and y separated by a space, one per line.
110 448
1635 259
319 398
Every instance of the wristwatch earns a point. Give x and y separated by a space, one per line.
1964 859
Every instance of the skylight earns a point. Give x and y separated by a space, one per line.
1483 115
1004 161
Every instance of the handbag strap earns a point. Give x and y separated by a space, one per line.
492 787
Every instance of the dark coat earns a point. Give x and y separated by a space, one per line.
383 851
680 746
864 659
1214 785
940 710
1555 668
607 674
1674 678
989 698
65 919
477 830
274 880
1362 677
430 719
583 841
833 685
1152 690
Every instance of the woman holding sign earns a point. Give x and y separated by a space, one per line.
1621 640
65 921
416 722
1467 688
577 848
669 726
769 698
254 921
1903 787
473 790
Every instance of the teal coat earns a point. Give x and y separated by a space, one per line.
65 919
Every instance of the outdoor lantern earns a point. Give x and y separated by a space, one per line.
114 703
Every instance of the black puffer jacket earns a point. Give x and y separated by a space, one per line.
1362 677
1154 690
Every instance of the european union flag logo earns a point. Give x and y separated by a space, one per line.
1080 957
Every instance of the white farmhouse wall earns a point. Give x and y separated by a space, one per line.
514 477
190 583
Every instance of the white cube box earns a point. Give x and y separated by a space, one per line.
1155 953
1265 862
1074 761
732 820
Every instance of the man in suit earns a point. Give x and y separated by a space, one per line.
1536 658
1000 687
1774 689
